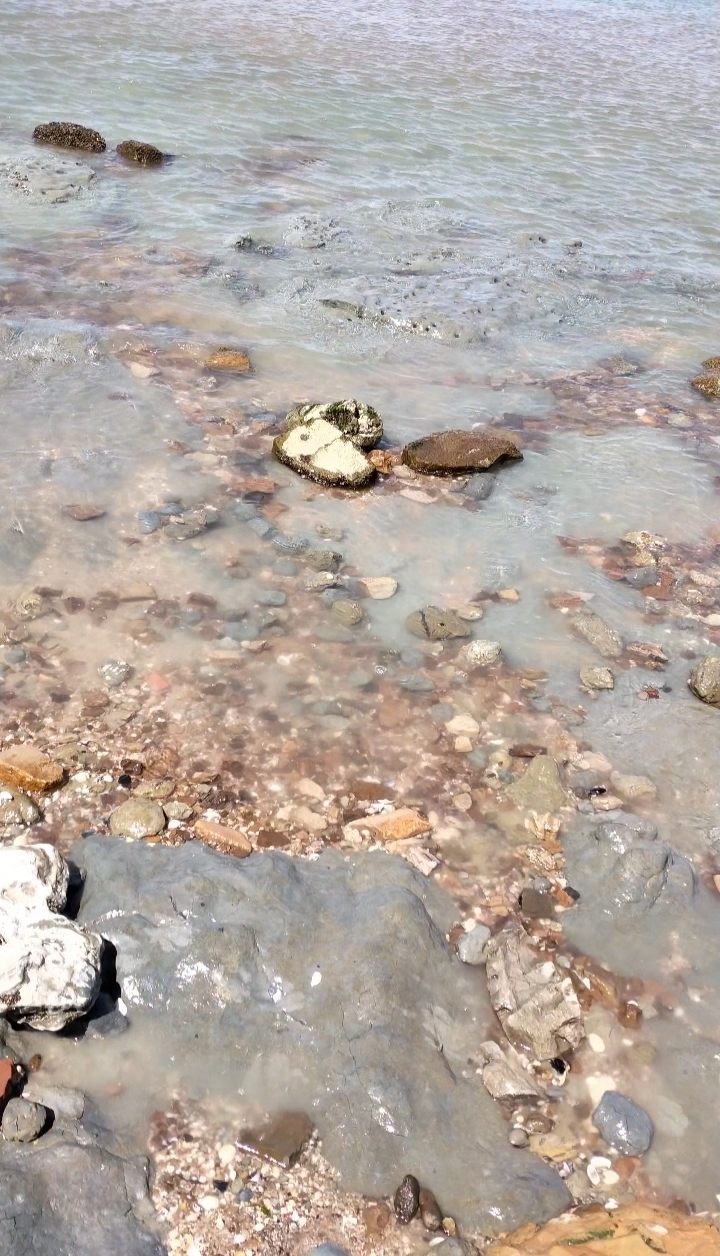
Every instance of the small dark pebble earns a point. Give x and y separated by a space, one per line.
574 894
407 1199
125 781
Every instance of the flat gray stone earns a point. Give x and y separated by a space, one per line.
598 634
540 788
471 947
225 956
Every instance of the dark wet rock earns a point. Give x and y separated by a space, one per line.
537 1007
407 1199
436 624
540 787
599 634
138 817
23 1121
280 1140
318 450
705 680
191 523
480 487
149 521
246 244
271 597
471 947
142 154
356 420
537 904
623 1124
708 385
51 180
57 1195
69 135
106 1020
289 544
642 577
375 931
430 1213
456 453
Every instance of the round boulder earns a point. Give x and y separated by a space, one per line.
23 1121
142 154
138 817
705 680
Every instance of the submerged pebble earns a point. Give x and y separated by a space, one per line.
623 1124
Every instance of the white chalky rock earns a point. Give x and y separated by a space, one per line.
49 966
318 451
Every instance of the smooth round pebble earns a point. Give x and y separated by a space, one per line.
518 1137
138 817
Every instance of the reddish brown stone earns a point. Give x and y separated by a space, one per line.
455 453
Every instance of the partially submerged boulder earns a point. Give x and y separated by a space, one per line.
49 966
235 361
360 422
708 385
597 633
141 154
69 135
460 453
317 450
705 680
437 624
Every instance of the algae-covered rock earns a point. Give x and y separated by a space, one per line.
317 450
360 422
708 385
436 624
711 364
142 154
234 360
69 135
457 453
705 680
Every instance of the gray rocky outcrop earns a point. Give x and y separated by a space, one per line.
48 179
49 966
63 1195
328 986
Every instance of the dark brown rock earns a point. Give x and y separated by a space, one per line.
537 904
708 385
407 1199
430 1212
142 154
83 513
69 135
456 453
280 1140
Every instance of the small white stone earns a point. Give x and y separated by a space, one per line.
463 723
480 653
596 1043
226 1154
310 789
379 587
463 745
141 371
316 978
209 1202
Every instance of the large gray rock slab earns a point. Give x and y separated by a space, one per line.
58 1196
334 974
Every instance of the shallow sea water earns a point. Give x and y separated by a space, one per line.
509 196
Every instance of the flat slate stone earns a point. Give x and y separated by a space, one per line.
455 453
